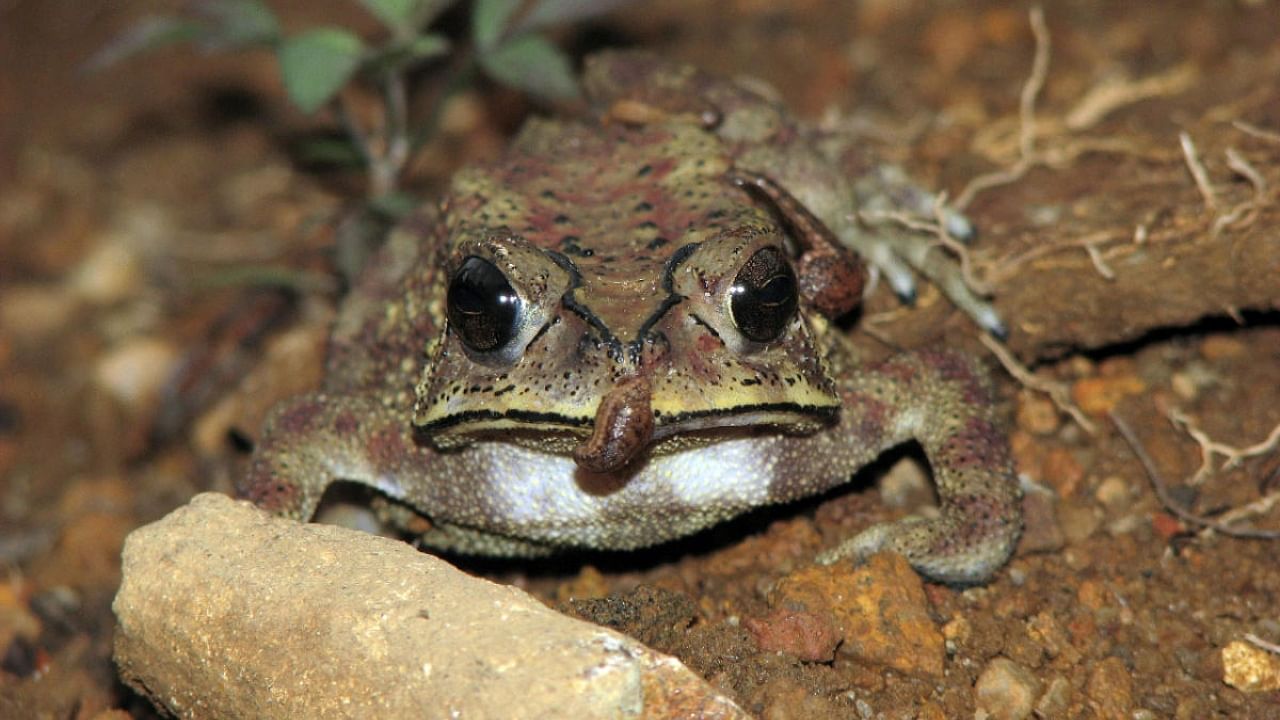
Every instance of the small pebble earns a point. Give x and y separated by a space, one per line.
109 274
135 372
1078 522
1055 700
1037 414
1110 690
1249 668
1006 691
1114 493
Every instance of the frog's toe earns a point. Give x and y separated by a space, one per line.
958 226
885 261
895 255
932 547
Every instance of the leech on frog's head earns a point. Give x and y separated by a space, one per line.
623 427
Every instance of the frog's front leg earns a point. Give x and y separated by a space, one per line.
313 440
941 400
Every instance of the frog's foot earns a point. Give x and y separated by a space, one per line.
946 549
887 196
940 399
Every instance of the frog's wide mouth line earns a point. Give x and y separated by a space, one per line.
786 415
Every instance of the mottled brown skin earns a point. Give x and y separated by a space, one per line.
661 282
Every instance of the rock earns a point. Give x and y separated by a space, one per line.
225 611
1110 690
1055 700
1045 630
136 371
811 637
1077 521
109 274
1099 395
879 608
1115 494
1036 413
1040 529
1005 690
1249 668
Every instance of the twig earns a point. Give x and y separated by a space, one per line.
1035 83
396 145
1009 265
1058 392
1262 644
1098 263
1243 214
1209 447
1162 492
1114 93
1198 173
1026 118
1254 130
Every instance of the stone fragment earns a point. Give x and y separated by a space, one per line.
1249 668
1110 690
1006 691
879 607
811 637
228 612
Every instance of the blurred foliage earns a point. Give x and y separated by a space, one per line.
507 43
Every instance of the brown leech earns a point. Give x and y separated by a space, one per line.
623 427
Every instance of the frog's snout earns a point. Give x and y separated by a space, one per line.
623 427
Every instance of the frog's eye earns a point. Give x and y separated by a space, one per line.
763 296
483 307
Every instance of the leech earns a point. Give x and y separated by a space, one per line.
623 428
831 277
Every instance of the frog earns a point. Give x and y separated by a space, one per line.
627 329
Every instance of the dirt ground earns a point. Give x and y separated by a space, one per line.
1122 166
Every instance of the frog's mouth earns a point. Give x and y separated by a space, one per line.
625 427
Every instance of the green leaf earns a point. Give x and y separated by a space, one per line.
240 22
397 57
551 12
428 46
489 21
316 64
147 34
531 63
406 17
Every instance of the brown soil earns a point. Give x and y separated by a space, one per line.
135 357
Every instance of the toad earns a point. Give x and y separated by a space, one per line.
621 332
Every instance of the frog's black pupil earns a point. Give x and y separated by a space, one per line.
763 296
482 305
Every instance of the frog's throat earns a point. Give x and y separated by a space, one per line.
623 427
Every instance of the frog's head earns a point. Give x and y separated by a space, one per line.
621 345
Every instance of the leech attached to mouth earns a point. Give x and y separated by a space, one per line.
623 428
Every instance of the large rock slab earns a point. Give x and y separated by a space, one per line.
228 612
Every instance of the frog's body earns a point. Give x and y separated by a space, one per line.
615 335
